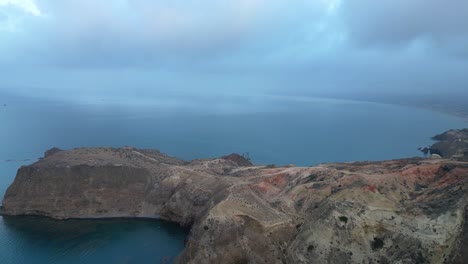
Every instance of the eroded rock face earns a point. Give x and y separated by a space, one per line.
402 211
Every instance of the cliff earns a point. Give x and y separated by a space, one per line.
405 211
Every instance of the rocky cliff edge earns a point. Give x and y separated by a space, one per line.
399 211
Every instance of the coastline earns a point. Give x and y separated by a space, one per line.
452 105
238 212
443 108
461 115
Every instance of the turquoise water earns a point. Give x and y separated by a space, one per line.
301 131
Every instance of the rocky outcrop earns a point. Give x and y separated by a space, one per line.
238 159
51 152
400 211
451 144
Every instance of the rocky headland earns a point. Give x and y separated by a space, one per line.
399 211
451 144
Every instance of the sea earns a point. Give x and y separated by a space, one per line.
269 129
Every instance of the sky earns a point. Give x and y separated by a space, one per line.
145 48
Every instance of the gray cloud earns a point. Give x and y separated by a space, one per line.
87 33
265 46
402 21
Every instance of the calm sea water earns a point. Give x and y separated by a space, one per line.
276 130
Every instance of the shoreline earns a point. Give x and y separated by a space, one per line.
452 105
230 206
462 116
186 229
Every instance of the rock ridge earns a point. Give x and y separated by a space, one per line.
398 211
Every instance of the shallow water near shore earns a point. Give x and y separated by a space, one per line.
272 130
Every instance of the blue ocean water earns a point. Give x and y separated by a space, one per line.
280 130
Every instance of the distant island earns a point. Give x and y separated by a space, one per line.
399 211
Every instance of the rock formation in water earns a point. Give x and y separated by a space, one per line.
399 211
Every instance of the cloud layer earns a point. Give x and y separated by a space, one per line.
146 32
401 21
318 44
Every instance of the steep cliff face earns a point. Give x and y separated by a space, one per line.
406 211
105 182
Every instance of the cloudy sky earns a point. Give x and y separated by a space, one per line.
295 47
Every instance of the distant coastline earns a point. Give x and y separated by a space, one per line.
454 105
461 113
450 105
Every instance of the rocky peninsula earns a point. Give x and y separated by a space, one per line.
399 211
451 144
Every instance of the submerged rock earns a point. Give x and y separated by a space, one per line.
400 211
